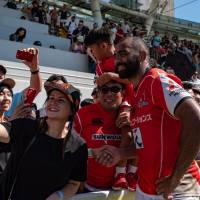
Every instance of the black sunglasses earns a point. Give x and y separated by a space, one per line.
114 89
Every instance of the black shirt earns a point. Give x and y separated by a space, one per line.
46 168
64 14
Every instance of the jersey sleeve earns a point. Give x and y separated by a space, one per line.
99 70
167 94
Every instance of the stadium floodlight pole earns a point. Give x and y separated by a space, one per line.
153 10
95 7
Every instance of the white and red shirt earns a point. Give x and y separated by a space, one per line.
97 127
157 131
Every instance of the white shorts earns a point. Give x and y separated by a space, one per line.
142 196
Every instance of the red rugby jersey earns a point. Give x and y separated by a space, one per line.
157 131
97 127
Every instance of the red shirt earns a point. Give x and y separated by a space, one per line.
97 127
157 132
106 65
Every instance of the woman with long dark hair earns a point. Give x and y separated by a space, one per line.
19 35
48 158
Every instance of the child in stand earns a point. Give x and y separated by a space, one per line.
102 46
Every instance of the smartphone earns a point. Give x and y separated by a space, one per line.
30 96
24 55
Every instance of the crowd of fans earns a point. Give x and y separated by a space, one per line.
63 145
65 24
51 138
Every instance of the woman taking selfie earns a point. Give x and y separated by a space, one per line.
48 158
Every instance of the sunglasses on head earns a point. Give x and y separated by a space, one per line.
114 89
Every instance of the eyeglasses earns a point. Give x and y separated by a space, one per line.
114 89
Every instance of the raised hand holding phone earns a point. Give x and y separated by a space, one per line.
29 57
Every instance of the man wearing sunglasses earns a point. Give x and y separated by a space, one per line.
166 128
96 124
102 46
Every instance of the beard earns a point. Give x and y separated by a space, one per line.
132 66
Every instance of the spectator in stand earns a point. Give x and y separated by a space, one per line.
156 40
54 16
35 81
72 25
194 89
34 11
126 27
155 43
164 128
91 61
42 15
19 35
80 30
45 7
6 95
64 15
196 61
106 24
48 158
136 31
78 45
11 4
95 26
96 124
119 34
113 28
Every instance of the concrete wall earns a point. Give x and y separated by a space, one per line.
4 11
45 39
48 57
21 74
15 23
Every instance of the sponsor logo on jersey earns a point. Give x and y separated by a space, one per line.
142 102
174 89
138 138
106 137
97 121
141 119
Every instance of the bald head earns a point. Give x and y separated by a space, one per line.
136 44
132 57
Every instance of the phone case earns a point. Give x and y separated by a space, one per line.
30 96
24 55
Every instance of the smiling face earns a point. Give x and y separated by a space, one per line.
127 61
58 106
5 99
110 96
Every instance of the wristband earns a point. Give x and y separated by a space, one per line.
60 194
35 72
